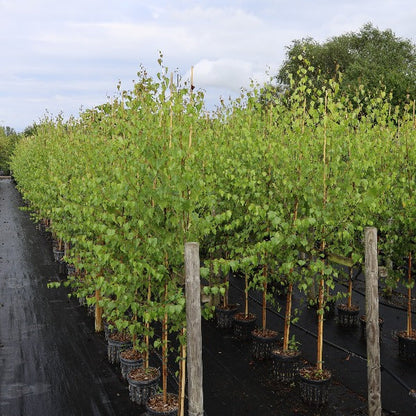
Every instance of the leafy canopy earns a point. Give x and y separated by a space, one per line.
373 58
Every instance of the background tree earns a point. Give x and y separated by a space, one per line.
8 139
373 58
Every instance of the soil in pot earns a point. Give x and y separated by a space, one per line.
363 325
285 365
225 316
314 386
143 383
244 325
130 360
155 405
264 342
117 342
348 316
407 346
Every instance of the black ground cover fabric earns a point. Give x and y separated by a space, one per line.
53 363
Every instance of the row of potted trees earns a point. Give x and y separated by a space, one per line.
273 192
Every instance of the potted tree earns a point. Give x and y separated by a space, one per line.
244 322
265 340
348 312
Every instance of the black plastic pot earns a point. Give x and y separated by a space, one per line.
58 254
225 316
114 347
264 344
407 346
285 366
141 390
347 317
107 330
244 326
70 269
363 326
154 412
314 392
128 365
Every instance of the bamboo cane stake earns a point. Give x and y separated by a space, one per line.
171 111
321 305
191 96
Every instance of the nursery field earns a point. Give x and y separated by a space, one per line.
283 194
53 362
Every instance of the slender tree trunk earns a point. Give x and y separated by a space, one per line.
146 348
350 288
134 337
321 297
182 376
225 297
147 327
320 340
288 317
409 296
264 302
165 351
98 312
246 296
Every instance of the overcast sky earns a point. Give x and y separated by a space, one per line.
58 56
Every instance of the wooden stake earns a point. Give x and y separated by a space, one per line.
193 328
372 318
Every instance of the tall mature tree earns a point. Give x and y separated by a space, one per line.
376 59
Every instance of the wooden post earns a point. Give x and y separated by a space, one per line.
193 329
372 318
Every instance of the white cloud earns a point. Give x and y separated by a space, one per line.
226 73
64 55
